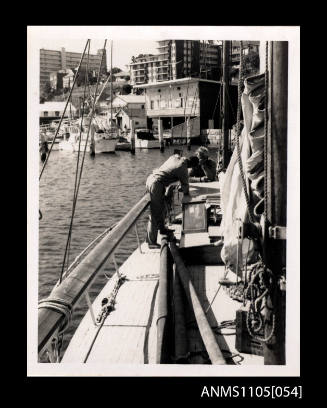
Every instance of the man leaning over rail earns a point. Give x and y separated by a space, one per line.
172 170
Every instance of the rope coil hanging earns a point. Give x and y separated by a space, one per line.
261 284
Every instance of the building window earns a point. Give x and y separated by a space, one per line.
45 113
56 113
142 106
152 104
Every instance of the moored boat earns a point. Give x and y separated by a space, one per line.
183 303
144 139
103 142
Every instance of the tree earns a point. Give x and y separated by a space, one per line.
115 70
46 92
251 63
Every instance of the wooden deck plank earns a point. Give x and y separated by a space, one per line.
129 321
117 345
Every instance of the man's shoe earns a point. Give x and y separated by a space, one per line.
154 246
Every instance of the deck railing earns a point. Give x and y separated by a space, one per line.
79 280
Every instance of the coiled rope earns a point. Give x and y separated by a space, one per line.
59 305
261 283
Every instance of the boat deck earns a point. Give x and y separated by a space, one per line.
129 333
205 279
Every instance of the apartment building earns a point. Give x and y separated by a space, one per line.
53 61
177 59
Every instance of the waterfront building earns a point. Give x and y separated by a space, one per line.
53 61
175 100
50 111
177 59
128 107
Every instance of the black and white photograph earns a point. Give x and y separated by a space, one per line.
163 201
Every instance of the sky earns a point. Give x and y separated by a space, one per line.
127 40
122 50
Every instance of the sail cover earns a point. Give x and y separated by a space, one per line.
233 200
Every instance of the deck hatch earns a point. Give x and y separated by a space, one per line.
194 217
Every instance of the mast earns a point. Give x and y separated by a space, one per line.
225 118
111 84
276 194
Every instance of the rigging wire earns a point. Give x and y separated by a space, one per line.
188 83
82 164
78 157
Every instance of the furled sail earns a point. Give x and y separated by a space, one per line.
234 205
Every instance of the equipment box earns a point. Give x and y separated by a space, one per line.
244 342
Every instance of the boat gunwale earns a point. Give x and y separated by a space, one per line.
80 279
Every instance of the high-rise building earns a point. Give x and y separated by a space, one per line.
177 59
52 61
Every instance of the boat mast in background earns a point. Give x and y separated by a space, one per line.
111 83
225 116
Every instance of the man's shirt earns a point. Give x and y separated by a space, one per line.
173 169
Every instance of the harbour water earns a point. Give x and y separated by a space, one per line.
111 184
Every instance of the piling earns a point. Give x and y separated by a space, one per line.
161 139
188 133
132 137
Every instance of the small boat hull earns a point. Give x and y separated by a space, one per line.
146 144
73 146
123 146
105 146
